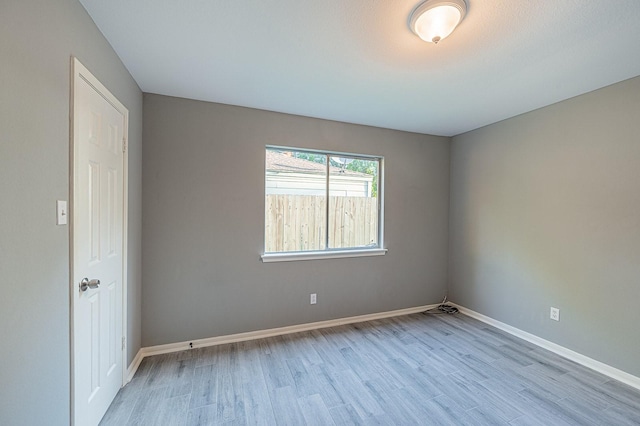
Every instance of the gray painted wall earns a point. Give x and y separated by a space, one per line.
37 39
545 211
203 226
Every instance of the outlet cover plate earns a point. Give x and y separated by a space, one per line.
555 314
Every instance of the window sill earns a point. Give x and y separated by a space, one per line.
315 255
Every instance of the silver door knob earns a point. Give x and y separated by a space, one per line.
86 283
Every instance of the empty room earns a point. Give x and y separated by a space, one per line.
320 213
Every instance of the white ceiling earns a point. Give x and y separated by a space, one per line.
357 61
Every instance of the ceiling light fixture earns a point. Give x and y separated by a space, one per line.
434 20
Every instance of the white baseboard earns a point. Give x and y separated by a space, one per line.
591 363
133 367
261 334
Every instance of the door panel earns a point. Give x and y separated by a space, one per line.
98 235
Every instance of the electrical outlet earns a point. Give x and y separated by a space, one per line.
555 314
313 299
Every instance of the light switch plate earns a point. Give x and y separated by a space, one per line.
61 207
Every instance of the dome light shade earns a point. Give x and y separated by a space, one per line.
434 20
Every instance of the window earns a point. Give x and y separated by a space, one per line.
321 204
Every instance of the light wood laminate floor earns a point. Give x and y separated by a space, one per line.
413 370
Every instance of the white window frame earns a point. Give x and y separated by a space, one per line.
329 253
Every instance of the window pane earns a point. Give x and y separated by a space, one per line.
353 202
295 201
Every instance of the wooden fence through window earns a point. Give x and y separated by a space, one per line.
297 222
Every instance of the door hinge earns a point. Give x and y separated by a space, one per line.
123 342
124 144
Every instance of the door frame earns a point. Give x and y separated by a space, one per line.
80 72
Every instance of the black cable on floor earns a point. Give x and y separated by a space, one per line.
442 308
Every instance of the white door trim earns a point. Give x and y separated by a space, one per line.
79 71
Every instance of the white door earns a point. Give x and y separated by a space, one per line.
99 132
